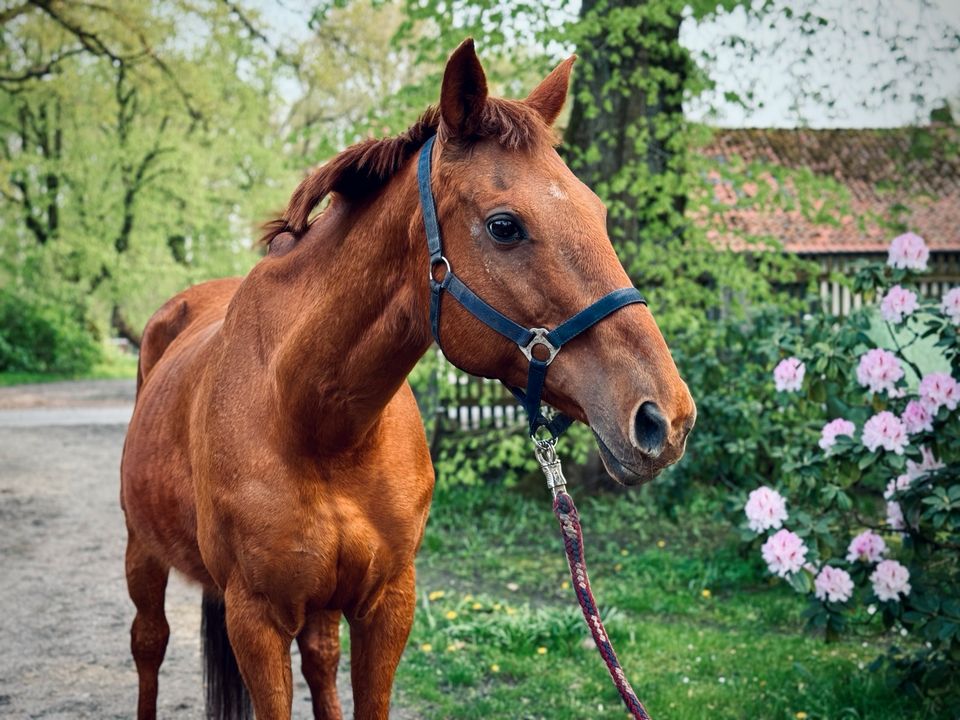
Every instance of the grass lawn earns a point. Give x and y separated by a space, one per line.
113 365
701 631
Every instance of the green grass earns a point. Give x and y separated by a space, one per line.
113 365
701 630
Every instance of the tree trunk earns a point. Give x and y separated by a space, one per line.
622 138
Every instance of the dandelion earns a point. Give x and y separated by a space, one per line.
800 715
511 610
565 585
451 615
885 430
897 304
784 553
436 595
618 567
476 606
788 374
879 370
495 668
661 544
705 593
909 252
866 547
765 509
426 647
890 580
541 650
834 429
624 552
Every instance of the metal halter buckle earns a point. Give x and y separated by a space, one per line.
434 263
546 453
539 338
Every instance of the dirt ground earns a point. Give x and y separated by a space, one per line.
64 610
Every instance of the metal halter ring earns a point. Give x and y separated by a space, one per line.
433 264
539 338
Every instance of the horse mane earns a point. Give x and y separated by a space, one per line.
365 167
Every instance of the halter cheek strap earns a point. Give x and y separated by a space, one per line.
526 339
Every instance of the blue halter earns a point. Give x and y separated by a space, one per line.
526 339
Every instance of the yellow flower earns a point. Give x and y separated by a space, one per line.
497 606
661 543
426 647
541 651
624 552
451 615
436 595
618 567
477 606
468 597
511 611
565 585
494 668
452 648
705 592
801 715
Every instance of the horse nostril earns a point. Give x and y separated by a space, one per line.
651 429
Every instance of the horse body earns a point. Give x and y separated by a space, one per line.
276 454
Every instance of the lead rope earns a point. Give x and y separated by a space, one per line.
572 534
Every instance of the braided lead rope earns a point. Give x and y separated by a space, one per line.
566 513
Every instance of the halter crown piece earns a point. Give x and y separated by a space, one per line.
525 338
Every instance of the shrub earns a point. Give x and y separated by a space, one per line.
865 518
43 336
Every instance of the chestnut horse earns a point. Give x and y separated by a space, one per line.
276 455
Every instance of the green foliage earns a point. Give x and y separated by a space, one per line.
38 335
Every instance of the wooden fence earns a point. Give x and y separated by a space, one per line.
471 403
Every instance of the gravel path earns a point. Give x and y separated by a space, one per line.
64 611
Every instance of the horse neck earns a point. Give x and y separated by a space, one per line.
351 304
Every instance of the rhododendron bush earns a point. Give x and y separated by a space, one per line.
864 513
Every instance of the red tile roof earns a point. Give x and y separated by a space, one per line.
831 191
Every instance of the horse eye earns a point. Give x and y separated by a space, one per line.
504 229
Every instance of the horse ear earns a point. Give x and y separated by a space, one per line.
464 91
548 97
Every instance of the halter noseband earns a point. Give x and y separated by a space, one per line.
525 338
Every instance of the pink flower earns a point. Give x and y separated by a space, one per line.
784 552
950 305
928 463
897 304
832 430
885 430
937 390
908 251
788 374
765 508
894 486
879 370
833 584
917 418
890 580
895 517
867 547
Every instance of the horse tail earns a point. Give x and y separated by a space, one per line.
227 696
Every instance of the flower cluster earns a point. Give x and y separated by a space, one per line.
904 410
788 375
897 304
879 370
834 429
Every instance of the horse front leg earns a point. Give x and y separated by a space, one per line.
376 643
262 649
319 643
